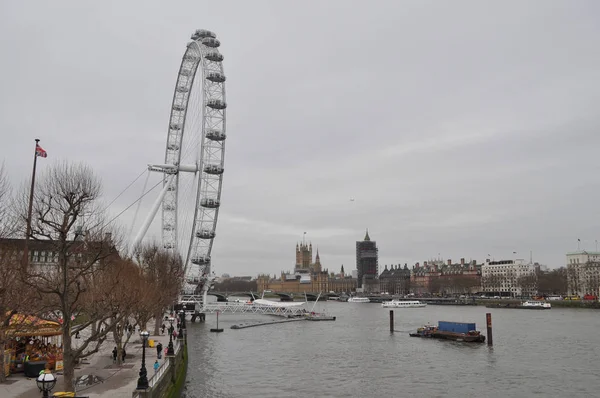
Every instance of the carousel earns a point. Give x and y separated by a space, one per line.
32 345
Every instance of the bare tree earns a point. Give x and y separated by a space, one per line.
164 273
553 282
13 297
66 218
528 284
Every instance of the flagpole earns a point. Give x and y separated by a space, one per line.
30 211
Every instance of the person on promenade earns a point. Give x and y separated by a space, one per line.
114 354
159 348
123 356
156 366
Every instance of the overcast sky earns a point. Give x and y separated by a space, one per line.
462 128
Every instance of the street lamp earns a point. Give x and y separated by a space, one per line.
181 319
170 350
143 379
46 382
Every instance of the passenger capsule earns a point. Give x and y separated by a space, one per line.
214 56
183 89
210 203
202 33
215 135
169 207
178 108
216 77
175 126
205 234
216 104
201 260
211 42
213 169
173 147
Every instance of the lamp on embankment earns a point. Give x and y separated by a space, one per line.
170 349
181 318
142 383
46 382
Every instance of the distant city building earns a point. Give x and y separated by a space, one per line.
583 273
307 277
395 280
367 265
509 278
437 277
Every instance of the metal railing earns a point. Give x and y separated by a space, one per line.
158 374
165 365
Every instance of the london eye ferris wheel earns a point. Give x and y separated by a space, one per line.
194 161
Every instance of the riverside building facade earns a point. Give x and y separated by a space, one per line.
308 276
583 273
509 278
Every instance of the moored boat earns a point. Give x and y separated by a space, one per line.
456 331
359 300
403 304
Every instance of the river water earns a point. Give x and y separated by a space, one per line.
553 353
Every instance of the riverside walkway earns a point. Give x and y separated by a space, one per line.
97 376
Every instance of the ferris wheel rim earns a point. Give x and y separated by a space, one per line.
200 51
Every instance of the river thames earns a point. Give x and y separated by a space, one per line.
551 353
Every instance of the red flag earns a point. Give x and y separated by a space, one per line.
39 151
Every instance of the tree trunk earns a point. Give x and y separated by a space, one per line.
2 346
157 322
69 360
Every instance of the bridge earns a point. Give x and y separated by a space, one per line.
194 304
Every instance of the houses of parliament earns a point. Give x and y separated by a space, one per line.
308 276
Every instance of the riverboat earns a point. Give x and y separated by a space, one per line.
403 304
455 331
359 300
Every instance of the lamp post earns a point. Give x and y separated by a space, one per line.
142 383
181 320
46 382
170 349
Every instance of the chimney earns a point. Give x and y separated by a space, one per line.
462 261
425 264
417 266
449 261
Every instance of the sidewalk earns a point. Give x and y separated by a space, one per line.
117 381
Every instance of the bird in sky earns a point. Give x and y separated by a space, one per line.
351 199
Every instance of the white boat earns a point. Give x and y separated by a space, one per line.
536 305
403 304
359 300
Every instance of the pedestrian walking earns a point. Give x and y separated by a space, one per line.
159 348
114 354
156 366
123 356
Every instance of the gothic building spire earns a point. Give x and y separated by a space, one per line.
367 238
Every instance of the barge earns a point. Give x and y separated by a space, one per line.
456 331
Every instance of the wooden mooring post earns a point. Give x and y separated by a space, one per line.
391 321
488 321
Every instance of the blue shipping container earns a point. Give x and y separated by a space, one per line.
456 327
